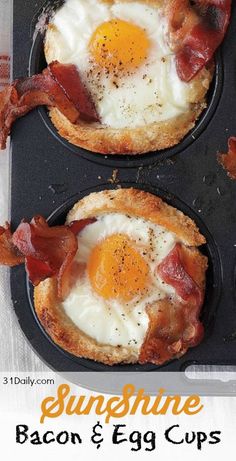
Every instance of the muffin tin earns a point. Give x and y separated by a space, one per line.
48 175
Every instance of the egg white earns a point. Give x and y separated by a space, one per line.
112 322
152 93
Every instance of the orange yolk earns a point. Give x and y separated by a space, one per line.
117 270
119 45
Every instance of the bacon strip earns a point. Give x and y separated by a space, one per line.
197 32
46 251
77 226
228 161
58 86
9 255
74 89
172 271
174 323
171 332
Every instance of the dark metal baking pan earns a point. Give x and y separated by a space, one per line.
45 176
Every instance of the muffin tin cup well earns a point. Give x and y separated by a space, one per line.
37 63
209 311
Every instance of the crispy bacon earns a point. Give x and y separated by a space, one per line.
74 89
174 323
49 251
9 254
197 32
58 86
46 251
77 226
173 272
38 270
228 161
173 329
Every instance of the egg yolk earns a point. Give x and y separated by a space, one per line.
119 45
117 270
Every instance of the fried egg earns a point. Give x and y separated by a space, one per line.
118 256
121 51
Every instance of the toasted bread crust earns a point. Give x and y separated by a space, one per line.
141 140
129 201
142 204
148 138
